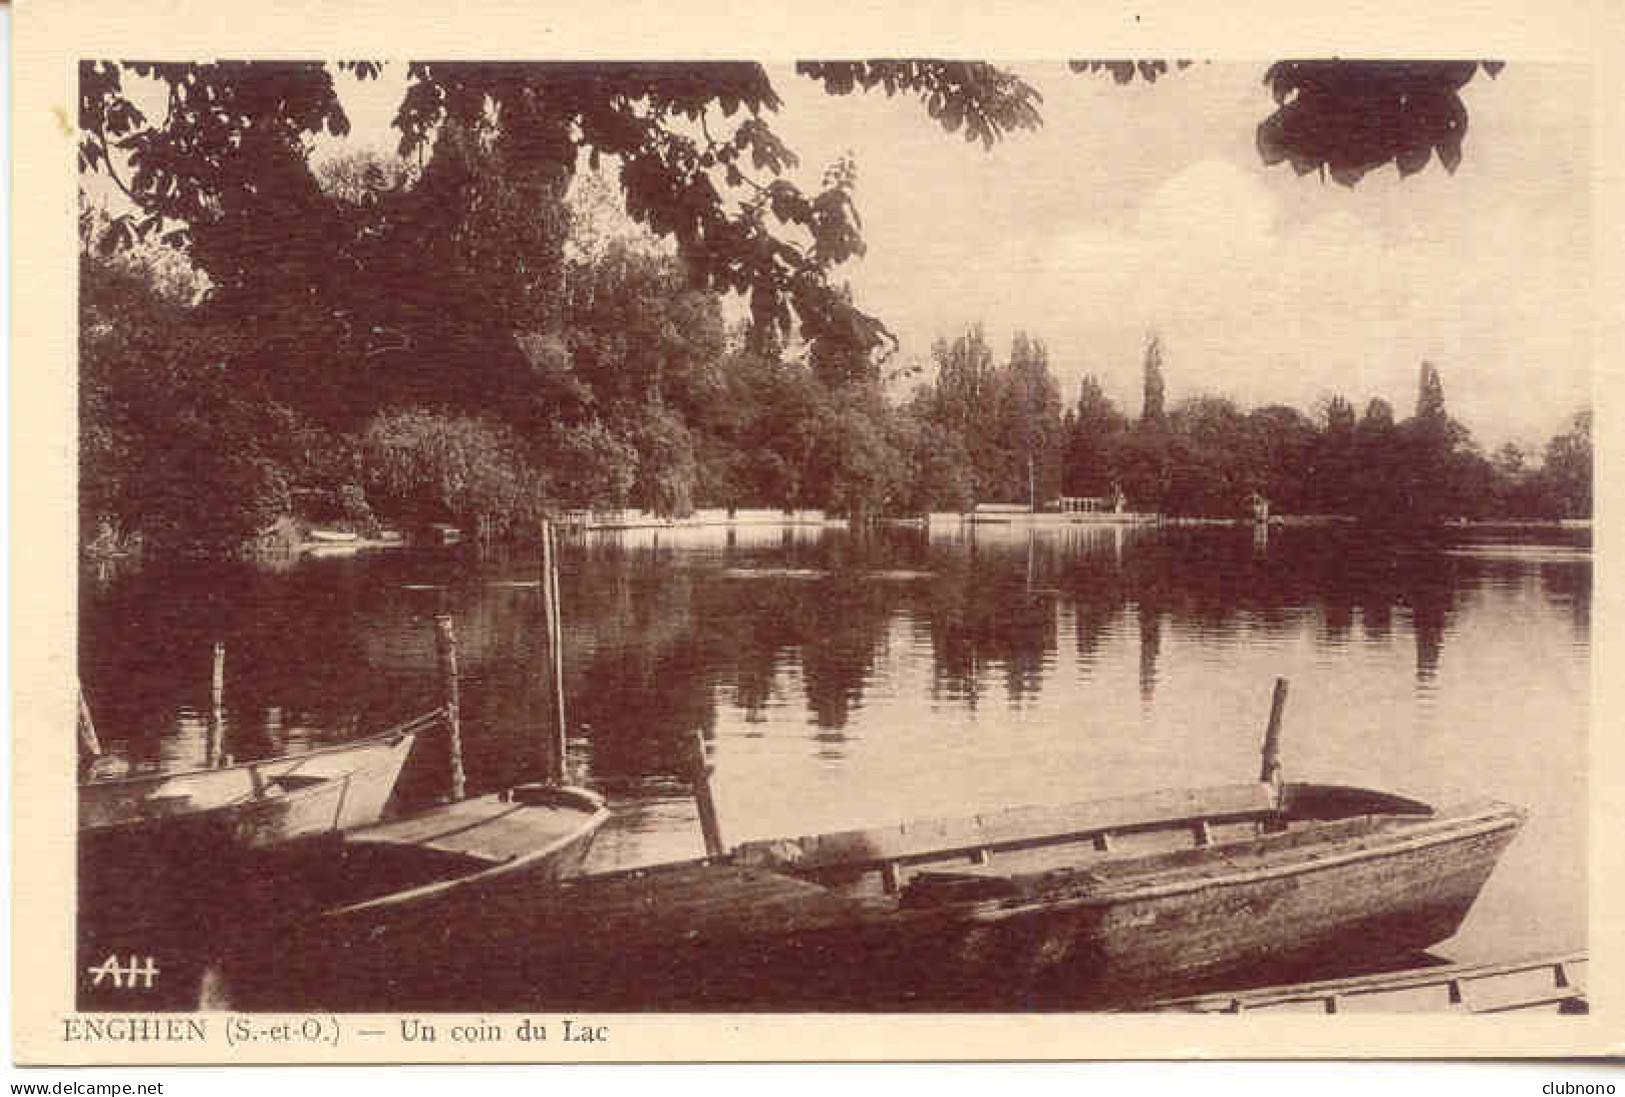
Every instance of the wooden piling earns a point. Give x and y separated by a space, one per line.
446 653
1270 773
554 631
709 827
88 743
214 748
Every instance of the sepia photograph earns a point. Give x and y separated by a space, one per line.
559 539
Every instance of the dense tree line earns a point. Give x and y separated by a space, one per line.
1004 437
645 396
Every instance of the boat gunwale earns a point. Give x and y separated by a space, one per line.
1495 817
812 861
388 736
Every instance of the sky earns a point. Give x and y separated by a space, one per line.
1146 208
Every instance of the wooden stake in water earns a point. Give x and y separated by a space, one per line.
1271 771
88 743
710 828
552 626
214 748
446 651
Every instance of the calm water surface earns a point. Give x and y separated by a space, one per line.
843 682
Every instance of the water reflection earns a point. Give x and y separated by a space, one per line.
658 634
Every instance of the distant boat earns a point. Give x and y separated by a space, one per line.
333 536
324 549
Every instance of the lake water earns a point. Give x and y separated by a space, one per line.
911 673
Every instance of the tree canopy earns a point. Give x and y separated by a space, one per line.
447 334
225 170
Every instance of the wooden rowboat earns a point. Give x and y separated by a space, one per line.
1085 906
152 842
253 804
163 858
1551 984
528 835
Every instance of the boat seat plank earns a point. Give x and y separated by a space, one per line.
1008 829
437 825
511 834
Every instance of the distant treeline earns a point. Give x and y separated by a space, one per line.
390 371
1007 438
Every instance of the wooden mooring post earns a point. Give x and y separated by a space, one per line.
88 743
445 635
1270 773
214 748
552 626
710 829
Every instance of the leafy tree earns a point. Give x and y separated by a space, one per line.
1347 118
1569 467
1430 394
1094 429
938 474
429 467
1028 424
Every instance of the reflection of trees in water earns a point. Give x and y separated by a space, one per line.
984 613
298 641
1150 618
1337 619
641 683
840 632
652 635
1569 585
663 641
1207 584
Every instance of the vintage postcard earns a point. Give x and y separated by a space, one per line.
627 534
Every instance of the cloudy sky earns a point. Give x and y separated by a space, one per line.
1146 207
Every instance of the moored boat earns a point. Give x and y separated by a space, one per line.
1089 906
162 857
251 804
523 836
1099 904
1550 984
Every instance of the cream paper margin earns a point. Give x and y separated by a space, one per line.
50 35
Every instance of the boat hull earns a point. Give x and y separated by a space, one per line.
1363 908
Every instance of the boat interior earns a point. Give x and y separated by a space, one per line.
1033 849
